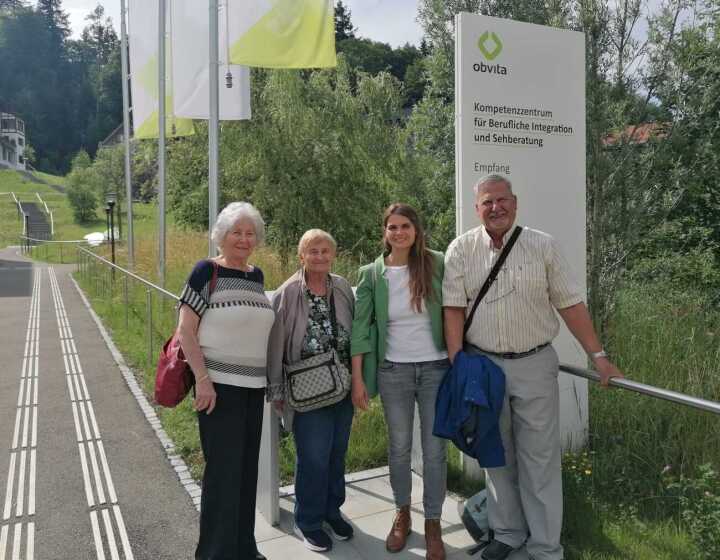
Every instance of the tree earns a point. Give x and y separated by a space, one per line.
81 196
83 202
56 21
98 36
67 92
11 6
99 48
322 150
374 57
343 25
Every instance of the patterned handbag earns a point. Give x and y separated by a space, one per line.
317 381
320 380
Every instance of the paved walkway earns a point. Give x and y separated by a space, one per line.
83 474
81 471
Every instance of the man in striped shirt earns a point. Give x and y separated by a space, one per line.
514 326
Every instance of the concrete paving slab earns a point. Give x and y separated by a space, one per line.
292 547
370 509
375 496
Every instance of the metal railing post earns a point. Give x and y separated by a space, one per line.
148 301
127 303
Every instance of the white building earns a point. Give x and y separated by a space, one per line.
12 142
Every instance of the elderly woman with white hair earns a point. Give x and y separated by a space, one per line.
224 325
314 311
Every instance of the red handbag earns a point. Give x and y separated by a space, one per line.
173 377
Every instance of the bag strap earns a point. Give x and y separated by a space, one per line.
491 277
333 321
214 277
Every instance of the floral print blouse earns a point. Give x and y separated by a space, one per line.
319 335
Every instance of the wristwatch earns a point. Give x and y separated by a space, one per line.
600 354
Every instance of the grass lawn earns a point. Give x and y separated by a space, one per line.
27 191
52 179
11 225
65 228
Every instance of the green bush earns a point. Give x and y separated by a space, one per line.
695 270
83 202
700 508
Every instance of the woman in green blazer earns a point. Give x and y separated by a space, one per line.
398 350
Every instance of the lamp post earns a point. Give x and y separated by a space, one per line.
107 222
26 231
111 214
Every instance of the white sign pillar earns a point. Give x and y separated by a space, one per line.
520 112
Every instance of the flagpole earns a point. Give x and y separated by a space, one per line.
213 125
126 135
161 143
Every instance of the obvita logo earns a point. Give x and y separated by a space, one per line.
490 46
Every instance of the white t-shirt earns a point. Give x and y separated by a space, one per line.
409 333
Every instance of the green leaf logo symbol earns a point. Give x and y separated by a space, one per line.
490 45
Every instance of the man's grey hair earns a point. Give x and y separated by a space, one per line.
492 178
231 215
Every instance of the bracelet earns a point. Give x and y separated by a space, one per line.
600 354
203 378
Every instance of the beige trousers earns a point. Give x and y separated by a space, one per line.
525 496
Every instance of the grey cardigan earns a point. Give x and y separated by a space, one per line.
287 334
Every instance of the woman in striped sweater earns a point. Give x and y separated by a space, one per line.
225 322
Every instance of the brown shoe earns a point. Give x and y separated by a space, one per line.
433 540
397 537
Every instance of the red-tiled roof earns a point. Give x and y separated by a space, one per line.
637 134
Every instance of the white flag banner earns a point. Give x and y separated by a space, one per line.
143 39
190 45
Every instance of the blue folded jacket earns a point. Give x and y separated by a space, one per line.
468 406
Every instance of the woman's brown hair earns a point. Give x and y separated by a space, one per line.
420 261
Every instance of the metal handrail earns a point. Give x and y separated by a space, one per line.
643 389
19 205
635 386
131 274
47 211
53 240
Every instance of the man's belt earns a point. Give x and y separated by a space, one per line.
516 355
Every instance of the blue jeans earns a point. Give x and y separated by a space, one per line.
400 386
321 442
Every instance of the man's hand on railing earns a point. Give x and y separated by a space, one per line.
606 370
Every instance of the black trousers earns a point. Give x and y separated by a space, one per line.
230 439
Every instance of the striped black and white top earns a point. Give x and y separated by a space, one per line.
235 322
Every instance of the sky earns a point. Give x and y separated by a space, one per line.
387 21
